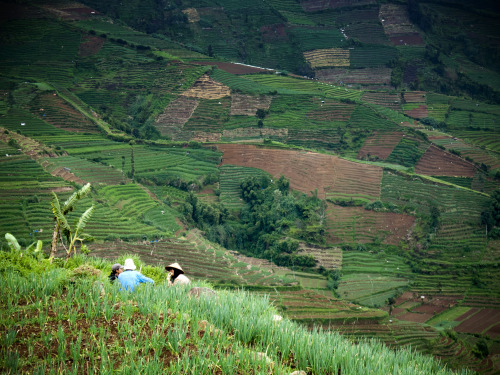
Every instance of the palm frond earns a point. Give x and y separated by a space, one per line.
82 222
58 214
76 196
12 242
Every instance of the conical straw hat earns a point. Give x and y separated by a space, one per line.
175 266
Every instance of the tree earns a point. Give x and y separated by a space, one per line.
72 233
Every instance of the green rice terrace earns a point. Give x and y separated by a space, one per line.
330 170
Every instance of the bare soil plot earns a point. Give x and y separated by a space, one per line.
355 224
329 110
327 57
207 88
419 112
192 15
56 111
253 133
395 19
482 321
233 68
70 11
385 99
380 145
436 162
200 136
308 171
414 96
274 33
415 317
317 5
330 258
90 45
365 76
247 105
176 114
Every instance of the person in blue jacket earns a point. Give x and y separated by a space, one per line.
130 278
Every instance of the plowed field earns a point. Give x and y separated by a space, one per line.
355 224
380 145
308 171
485 319
436 162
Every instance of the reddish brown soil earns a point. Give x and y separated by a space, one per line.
430 309
247 105
380 145
494 332
388 226
90 46
415 317
273 33
467 314
233 68
367 76
410 39
414 96
308 171
419 112
436 162
480 322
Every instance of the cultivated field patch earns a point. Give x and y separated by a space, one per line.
247 105
357 225
176 114
318 5
207 88
380 145
436 162
479 322
327 57
308 171
365 76
397 25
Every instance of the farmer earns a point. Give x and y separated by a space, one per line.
176 275
115 271
130 278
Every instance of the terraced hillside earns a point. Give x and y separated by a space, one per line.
363 105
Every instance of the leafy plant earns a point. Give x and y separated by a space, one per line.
35 249
73 233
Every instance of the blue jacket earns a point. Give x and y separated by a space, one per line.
130 279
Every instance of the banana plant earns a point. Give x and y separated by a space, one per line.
35 249
73 233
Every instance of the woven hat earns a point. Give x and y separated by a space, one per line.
174 266
116 267
129 264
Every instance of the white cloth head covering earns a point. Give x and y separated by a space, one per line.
129 264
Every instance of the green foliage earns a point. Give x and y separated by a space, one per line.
490 217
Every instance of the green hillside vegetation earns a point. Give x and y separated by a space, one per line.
390 114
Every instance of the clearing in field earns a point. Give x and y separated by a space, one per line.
436 162
247 105
365 76
397 25
357 225
176 114
308 171
206 88
380 145
327 57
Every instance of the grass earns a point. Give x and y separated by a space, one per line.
167 330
